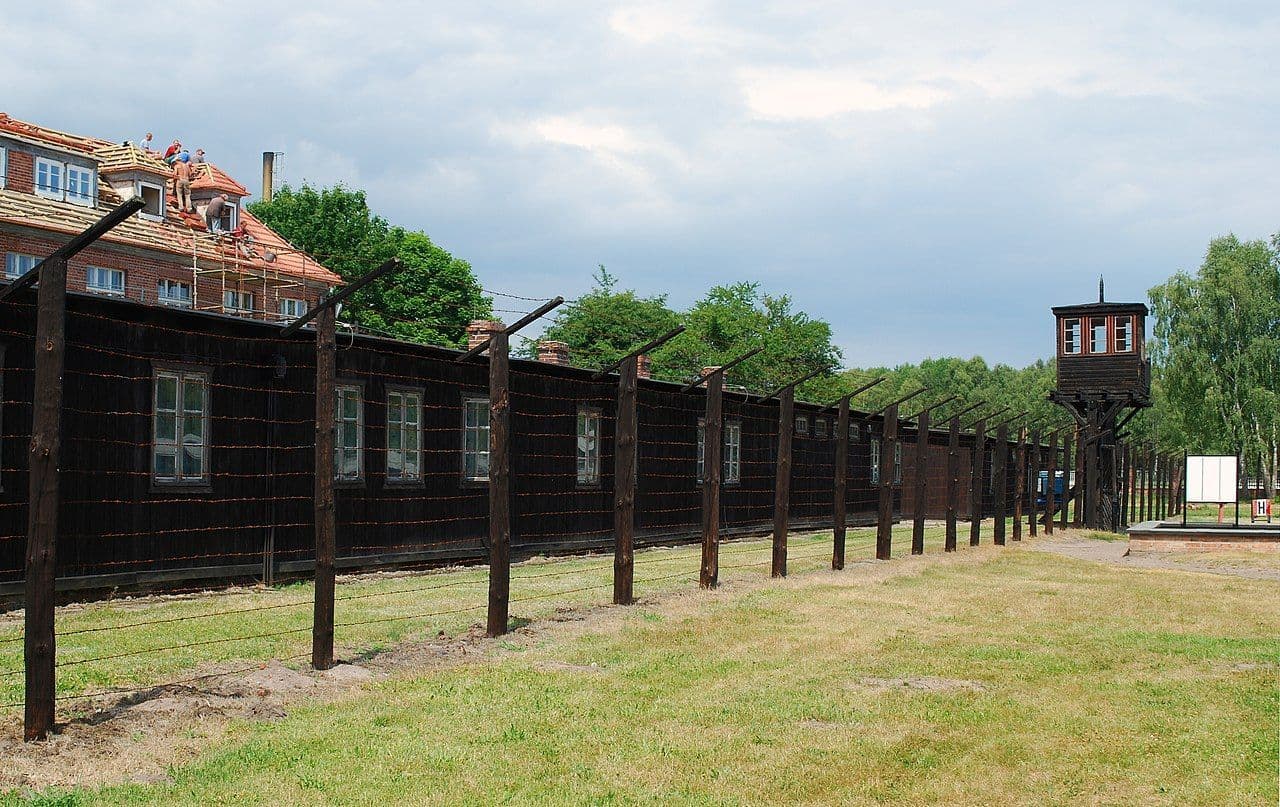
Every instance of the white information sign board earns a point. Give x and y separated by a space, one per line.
1211 480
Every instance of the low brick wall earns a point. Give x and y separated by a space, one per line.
1157 537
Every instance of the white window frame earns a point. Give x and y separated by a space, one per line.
875 460
479 430
239 297
164 298
143 214
1123 324
587 445
1068 331
1106 336
802 424
4 167
343 425
93 272
820 428
404 426
730 454
89 198
897 462
173 446
17 264
45 189
299 307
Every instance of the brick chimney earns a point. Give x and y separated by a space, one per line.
553 352
644 366
479 331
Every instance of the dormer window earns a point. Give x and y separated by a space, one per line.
153 201
64 182
1071 336
229 216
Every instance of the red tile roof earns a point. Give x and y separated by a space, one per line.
180 233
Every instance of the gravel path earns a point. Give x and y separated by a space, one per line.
1254 566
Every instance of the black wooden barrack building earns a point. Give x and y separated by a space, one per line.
248 513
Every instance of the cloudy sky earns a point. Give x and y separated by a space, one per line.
929 181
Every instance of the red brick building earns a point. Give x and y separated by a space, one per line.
54 185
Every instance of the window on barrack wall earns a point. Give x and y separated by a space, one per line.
802 424
731 452
475 439
897 463
404 435
588 450
348 447
819 428
180 448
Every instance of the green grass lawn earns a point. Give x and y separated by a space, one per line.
1075 682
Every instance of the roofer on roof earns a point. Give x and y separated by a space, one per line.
145 143
182 186
213 213
171 153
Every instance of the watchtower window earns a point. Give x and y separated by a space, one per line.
1097 334
1071 336
1124 334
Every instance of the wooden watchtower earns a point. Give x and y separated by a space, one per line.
1103 370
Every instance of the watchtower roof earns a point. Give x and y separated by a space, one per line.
1084 309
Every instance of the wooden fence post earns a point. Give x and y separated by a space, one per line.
1019 481
1033 489
1123 485
1067 457
922 485
1081 480
1000 479
712 438
884 520
841 485
624 483
1052 472
499 484
1151 483
44 498
953 482
782 482
976 481
325 514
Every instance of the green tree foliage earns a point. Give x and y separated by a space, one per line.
731 320
431 299
605 324
1216 353
971 380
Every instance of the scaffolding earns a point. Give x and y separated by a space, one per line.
235 270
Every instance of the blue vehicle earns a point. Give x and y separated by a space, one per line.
1059 488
